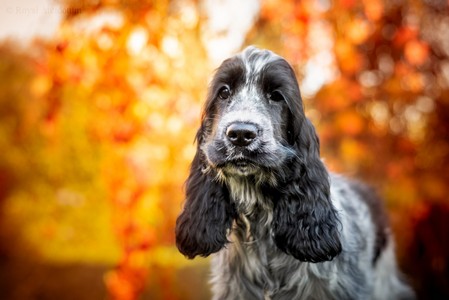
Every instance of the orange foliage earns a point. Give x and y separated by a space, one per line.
374 9
350 61
416 52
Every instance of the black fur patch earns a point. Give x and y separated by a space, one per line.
201 229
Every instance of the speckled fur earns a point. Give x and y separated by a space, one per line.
278 224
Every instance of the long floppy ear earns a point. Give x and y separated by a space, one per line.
305 222
201 229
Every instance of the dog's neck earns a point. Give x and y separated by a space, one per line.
246 194
252 204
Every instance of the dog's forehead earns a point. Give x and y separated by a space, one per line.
255 60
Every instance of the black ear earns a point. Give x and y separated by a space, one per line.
305 222
201 229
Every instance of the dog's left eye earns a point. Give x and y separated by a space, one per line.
275 96
224 93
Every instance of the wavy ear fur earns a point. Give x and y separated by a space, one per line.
305 222
208 214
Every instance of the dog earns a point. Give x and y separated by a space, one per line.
260 199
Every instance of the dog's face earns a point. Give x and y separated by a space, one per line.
247 125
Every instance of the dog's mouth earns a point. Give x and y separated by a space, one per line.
240 163
241 166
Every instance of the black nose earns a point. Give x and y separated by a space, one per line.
241 134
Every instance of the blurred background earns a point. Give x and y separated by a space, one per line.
100 101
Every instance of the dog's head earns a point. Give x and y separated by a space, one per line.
248 126
254 126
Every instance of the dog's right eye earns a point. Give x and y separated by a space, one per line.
224 93
276 96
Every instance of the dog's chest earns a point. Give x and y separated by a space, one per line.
253 249
256 257
254 253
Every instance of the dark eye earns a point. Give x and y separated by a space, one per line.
275 96
224 93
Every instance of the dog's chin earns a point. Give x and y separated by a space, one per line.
240 167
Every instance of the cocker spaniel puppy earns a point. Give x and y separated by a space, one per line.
259 196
